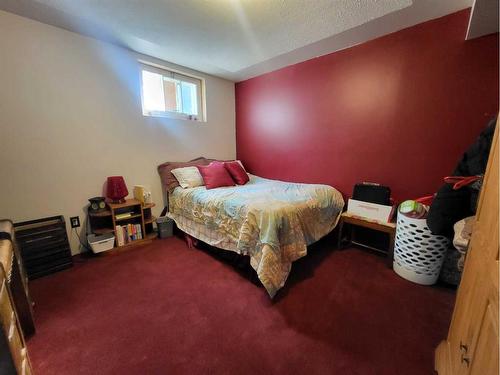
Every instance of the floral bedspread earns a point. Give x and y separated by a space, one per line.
270 221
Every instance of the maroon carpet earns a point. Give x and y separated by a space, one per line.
166 309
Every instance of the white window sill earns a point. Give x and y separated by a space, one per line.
175 116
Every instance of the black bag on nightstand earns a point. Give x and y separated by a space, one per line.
373 193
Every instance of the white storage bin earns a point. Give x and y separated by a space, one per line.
102 242
418 254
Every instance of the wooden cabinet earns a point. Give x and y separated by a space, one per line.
14 353
16 277
131 211
472 346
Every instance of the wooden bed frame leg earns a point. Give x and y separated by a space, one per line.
190 241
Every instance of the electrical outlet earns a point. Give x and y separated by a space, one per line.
75 221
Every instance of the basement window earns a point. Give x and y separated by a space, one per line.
167 93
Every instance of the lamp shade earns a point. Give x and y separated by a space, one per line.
116 189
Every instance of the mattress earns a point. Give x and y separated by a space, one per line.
270 221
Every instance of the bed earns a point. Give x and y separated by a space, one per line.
270 221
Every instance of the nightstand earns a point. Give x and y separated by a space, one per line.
129 213
357 221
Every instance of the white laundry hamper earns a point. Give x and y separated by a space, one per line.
418 254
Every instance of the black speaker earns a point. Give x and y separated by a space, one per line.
373 193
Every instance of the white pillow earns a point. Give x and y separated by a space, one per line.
188 177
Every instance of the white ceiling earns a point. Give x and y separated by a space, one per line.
483 19
234 39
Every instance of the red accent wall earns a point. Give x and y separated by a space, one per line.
399 110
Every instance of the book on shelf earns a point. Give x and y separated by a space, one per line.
128 233
139 231
123 215
120 239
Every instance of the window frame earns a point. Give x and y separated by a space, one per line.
180 76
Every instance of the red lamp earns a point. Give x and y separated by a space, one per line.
116 189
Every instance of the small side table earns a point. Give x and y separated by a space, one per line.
352 220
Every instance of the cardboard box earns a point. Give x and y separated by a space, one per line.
370 211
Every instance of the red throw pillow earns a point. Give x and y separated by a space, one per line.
237 172
215 175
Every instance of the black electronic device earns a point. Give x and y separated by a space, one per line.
97 204
373 193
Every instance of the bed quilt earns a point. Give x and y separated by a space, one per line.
270 221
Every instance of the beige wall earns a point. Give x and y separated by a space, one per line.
70 115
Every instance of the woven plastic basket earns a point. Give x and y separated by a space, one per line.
418 254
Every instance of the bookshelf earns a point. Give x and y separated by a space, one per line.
131 212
